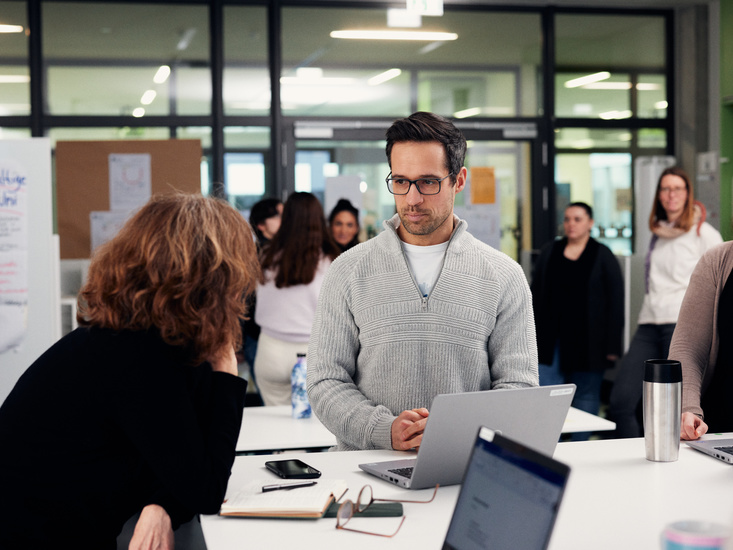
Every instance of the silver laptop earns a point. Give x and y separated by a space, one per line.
531 416
722 449
509 498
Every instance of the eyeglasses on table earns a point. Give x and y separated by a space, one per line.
363 501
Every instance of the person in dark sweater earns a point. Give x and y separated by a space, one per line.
578 300
139 409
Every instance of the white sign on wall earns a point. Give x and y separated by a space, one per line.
426 7
14 182
30 321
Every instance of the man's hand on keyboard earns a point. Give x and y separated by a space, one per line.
407 429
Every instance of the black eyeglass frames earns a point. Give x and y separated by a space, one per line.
425 186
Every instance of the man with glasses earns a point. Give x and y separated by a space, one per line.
423 308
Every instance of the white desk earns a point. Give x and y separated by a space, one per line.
274 429
581 421
615 499
268 429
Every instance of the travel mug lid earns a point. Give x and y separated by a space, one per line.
665 371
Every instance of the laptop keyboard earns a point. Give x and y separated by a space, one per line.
728 450
404 472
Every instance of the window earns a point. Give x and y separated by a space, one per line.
134 59
483 65
604 74
14 74
246 69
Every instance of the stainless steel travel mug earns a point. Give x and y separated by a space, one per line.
662 409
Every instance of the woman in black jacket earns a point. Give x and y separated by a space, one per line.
578 299
139 409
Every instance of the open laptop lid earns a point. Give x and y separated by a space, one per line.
509 498
533 416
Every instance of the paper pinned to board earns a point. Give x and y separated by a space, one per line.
130 185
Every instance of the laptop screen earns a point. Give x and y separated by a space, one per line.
509 498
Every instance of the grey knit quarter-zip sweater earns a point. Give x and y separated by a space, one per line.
378 347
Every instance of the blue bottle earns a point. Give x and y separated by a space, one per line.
301 405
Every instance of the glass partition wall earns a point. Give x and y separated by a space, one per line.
612 106
558 102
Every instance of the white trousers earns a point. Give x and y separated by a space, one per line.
273 366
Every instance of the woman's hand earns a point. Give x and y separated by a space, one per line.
225 361
153 530
692 427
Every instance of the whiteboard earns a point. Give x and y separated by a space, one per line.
44 309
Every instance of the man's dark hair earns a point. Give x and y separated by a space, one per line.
424 127
585 206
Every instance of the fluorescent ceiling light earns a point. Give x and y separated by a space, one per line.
615 115
465 113
384 77
162 74
430 36
138 112
148 97
309 81
429 47
583 143
11 28
648 87
608 86
588 79
661 105
14 79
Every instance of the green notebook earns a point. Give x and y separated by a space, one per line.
376 510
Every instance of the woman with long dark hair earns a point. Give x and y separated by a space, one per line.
293 266
343 221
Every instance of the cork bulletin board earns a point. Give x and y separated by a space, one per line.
82 181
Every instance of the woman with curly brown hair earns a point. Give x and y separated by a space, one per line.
139 409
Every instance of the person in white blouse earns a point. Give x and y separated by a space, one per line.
680 238
293 266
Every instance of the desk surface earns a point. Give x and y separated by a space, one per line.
273 429
615 498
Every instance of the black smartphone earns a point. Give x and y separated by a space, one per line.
292 469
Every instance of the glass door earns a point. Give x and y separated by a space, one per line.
496 202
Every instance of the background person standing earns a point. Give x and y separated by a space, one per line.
293 267
680 236
343 222
578 299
